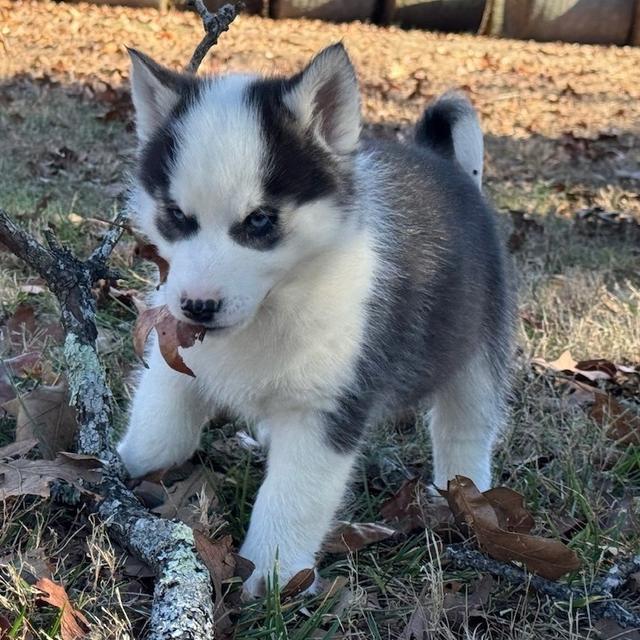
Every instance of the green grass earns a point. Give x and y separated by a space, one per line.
584 292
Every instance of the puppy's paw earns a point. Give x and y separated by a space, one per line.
137 460
281 567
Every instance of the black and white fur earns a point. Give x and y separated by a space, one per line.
377 283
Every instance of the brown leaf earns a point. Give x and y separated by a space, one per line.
218 556
33 477
298 584
409 508
179 502
352 536
459 606
586 370
622 425
544 556
45 414
23 320
418 626
509 507
220 560
17 448
31 566
611 630
172 334
73 625
150 252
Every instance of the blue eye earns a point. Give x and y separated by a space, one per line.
260 222
176 215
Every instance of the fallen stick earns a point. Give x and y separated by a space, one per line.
183 597
182 605
462 557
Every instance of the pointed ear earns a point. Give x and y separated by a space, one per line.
155 91
325 99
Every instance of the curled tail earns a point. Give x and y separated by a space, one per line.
450 126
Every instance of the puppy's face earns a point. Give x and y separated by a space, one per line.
240 179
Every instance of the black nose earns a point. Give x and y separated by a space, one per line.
200 310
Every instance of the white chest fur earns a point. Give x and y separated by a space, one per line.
300 350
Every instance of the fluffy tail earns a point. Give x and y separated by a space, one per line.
451 127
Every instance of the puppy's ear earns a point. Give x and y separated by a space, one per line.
325 98
155 91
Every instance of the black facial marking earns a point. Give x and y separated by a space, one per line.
156 160
173 224
299 169
260 230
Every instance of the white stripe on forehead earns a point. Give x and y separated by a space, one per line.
217 174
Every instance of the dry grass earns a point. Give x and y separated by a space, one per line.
579 290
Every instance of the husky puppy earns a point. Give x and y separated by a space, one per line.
341 281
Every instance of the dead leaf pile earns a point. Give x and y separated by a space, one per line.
501 525
599 382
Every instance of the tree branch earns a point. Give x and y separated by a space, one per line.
215 24
615 579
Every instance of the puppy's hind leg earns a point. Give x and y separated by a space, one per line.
466 416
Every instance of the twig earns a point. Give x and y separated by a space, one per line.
468 558
215 24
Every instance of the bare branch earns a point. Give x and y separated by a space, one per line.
24 245
100 255
214 25
468 558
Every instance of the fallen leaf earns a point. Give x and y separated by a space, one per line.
298 584
544 556
459 606
45 414
611 630
509 507
622 425
150 252
31 565
220 560
32 477
410 508
73 625
180 497
418 627
172 334
351 536
22 321
587 370
17 448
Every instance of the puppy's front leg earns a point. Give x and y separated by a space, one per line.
297 501
166 418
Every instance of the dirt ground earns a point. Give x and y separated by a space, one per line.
562 125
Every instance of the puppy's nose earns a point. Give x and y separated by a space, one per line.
200 310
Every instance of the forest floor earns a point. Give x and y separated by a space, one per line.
562 126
